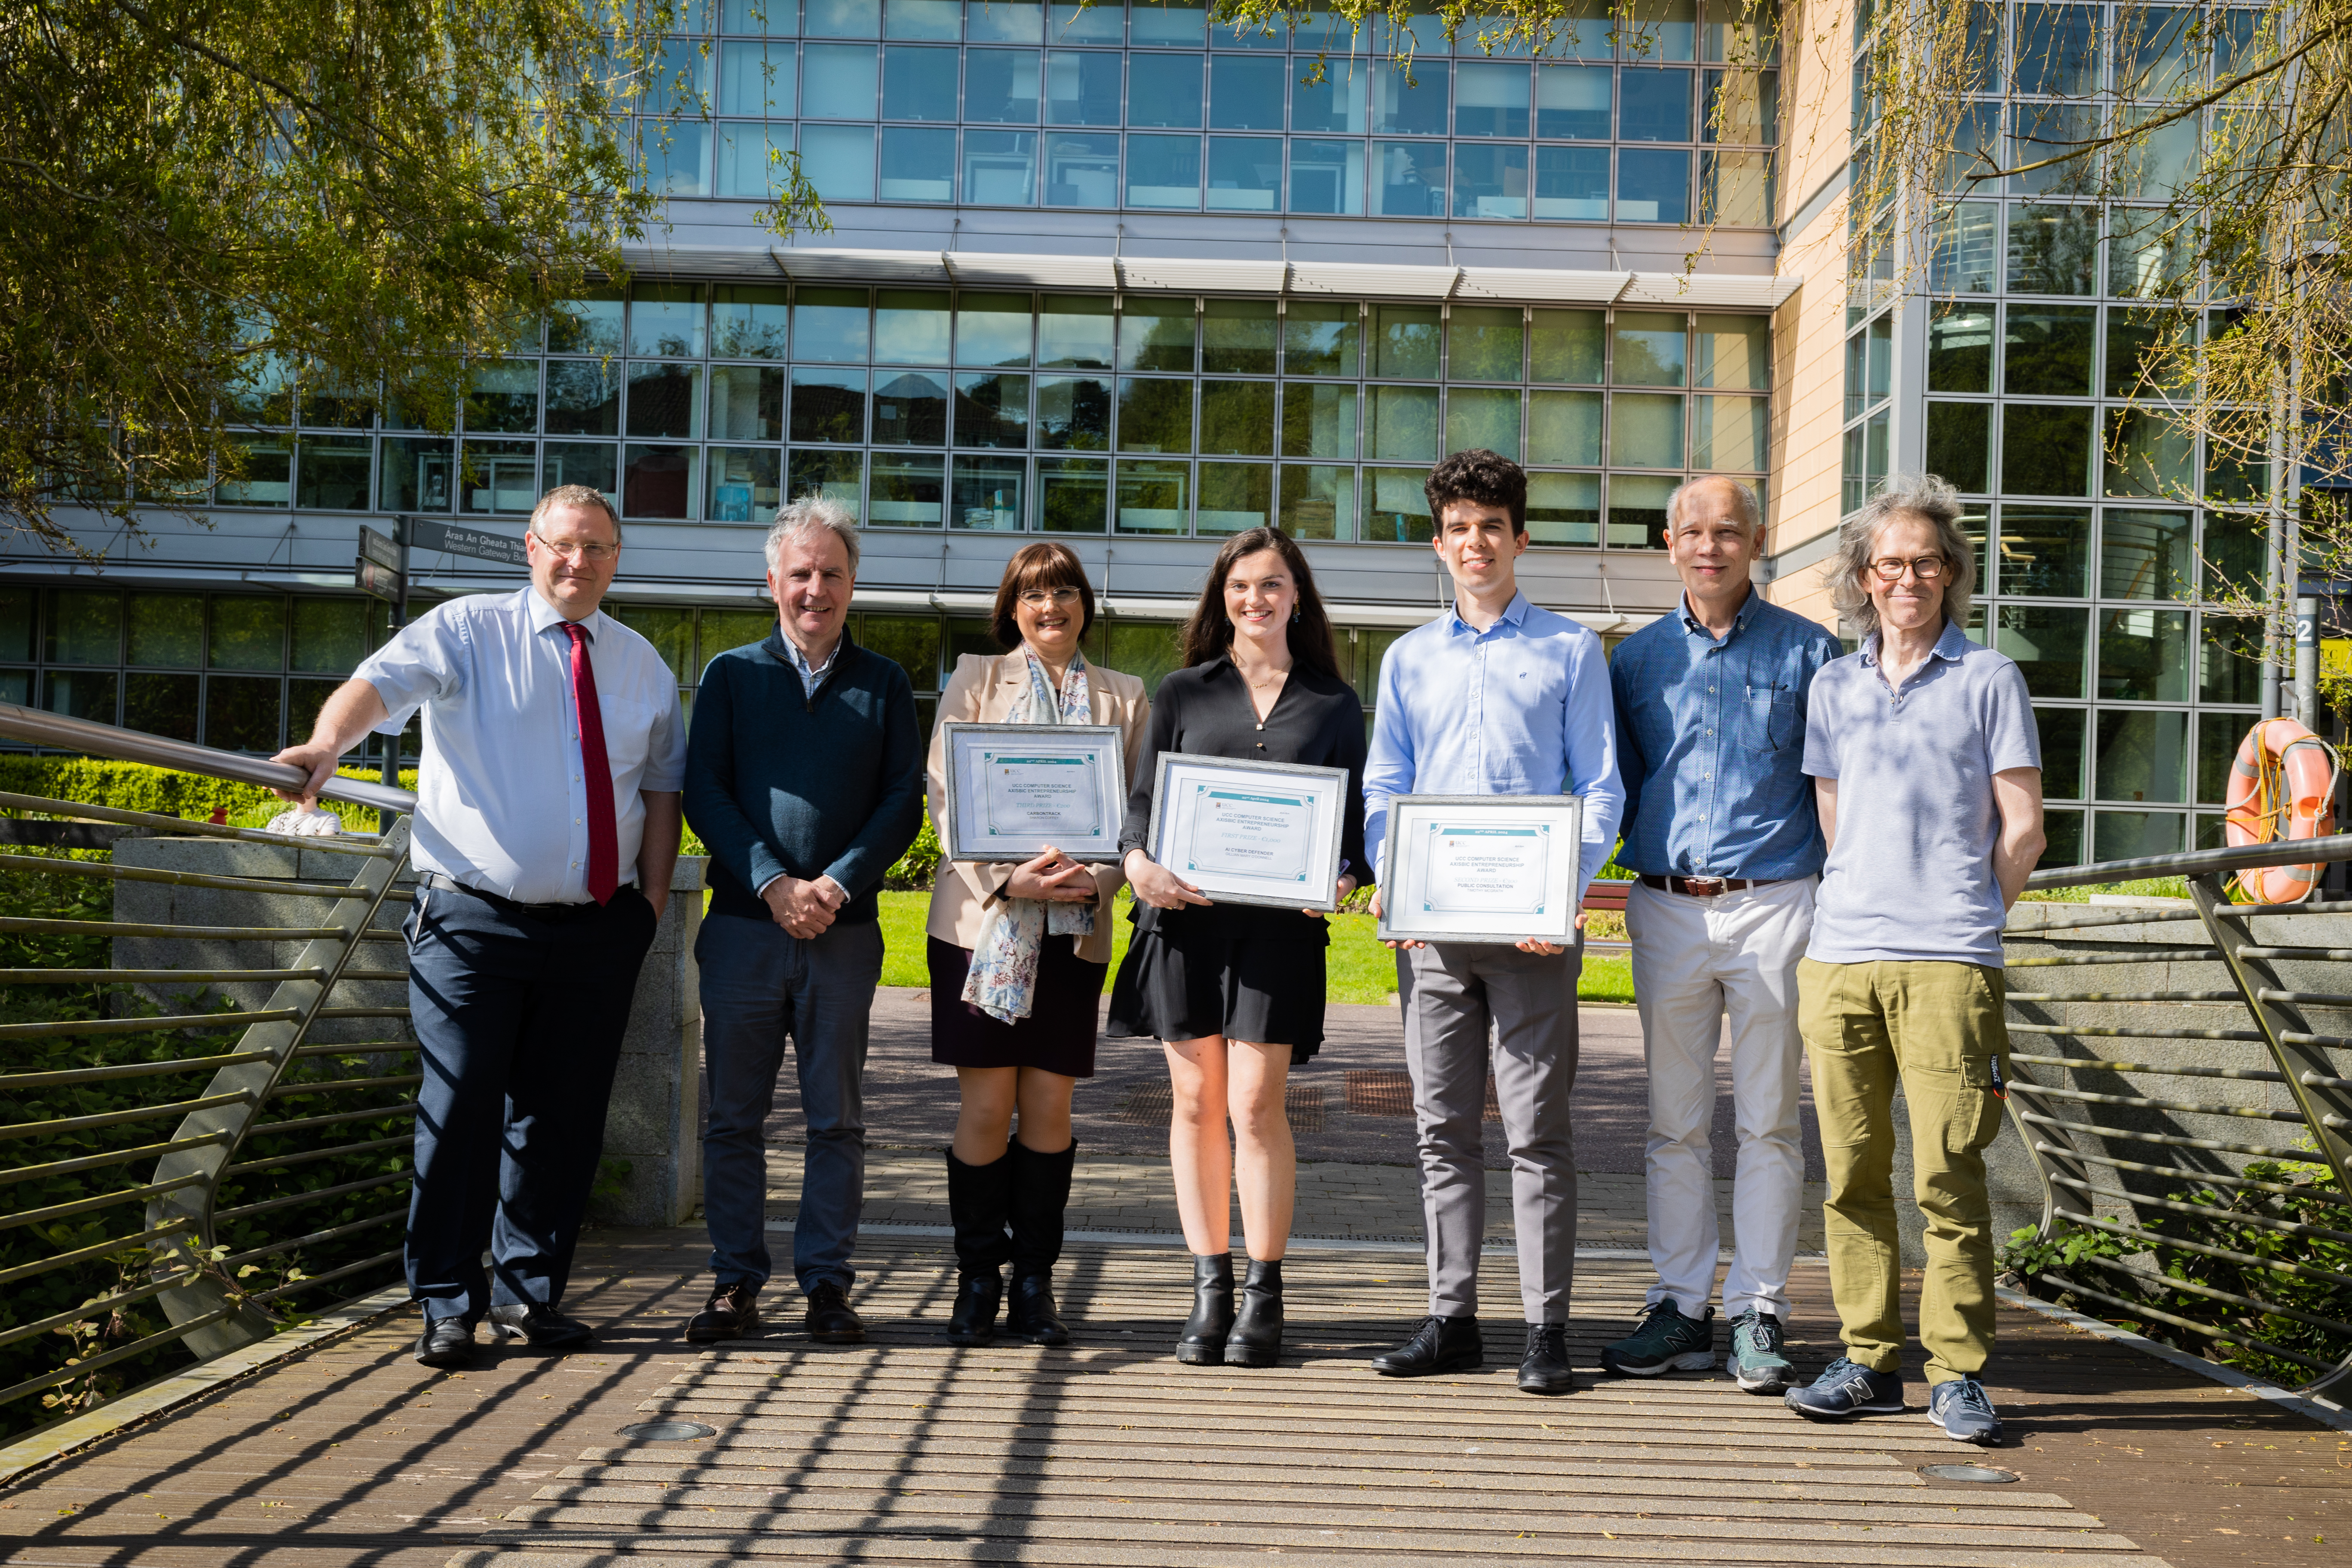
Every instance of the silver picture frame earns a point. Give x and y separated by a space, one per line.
1184 780
1421 826
972 833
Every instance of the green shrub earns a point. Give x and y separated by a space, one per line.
919 867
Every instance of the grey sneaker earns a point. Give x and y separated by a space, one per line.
1664 1342
1757 1360
1961 1408
1845 1388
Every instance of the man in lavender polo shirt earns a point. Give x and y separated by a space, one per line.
1928 772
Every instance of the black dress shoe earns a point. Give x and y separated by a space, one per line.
1437 1346
544 1327
831 1320
1544 1369
1032 1313
1202 1342
733 1314
446 1342
1256 1336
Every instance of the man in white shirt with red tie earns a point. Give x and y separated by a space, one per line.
546 829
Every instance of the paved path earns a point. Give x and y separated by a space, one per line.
904 1451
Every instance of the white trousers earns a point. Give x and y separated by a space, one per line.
1696 962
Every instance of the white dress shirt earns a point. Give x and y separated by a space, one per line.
500 802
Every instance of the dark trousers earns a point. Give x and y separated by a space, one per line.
518 1018
763 987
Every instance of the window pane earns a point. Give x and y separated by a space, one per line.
2144 555
2062 751
1740 107
1001 85
1320 337
1564 509
1566 347
910 326
581 463
1073 412
2144 654
1965 258
1244 171
665 400
828 404
1653 186
1730 433
676 156
1650 349
659 481
1000 168
2151 252
502 396
584 398
247 633
1237 417
1959 438
1154 416
1637 511
2129 835
2048 349
1645 430
838 81
1073 332
2045 451
747 402
910 409
2218 736
1156 334
1072 494
1319 503
829 18
1082 85
1573 101
166 630
756 80
2138 345
1409 103
1734 351
1335 102
749 161
1151 497
1081 171
2048 646
992 410
918 166
1327 177
1318 421
2057 52
2045 134
500 477
2142 756
1565 428
1405 341
1490 181
2149 453
1479 416
839 161
1237 337
332 473
1959 349
1006 21
269 477
1245 93
82 694
1485 343
987 494
1736 189
2045 552
590 324
1409 179
1402 424
1235 496
243 712
830 325
2227 668
1655 105
2054 250
920 84
1490 100
415 476
1396 510
2063 829
670 631
840 475
158 705
744 483
1163 171
908 492
1166 92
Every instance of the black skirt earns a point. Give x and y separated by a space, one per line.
1058 1035
1200 974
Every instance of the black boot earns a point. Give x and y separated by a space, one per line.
1041 1195
978 1198
1256 1337
1204 1344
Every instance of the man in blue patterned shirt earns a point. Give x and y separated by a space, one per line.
1720 827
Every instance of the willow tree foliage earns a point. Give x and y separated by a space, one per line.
213 206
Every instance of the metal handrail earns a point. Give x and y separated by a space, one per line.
2062 1127
189 1274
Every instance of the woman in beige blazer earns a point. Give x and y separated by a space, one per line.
1018 957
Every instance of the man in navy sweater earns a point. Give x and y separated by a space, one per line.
804 778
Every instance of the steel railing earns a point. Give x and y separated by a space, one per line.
2162 1182
235 1189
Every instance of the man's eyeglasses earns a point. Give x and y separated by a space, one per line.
594 555
1890 569
1044 598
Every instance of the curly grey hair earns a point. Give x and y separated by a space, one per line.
810 514
1922 496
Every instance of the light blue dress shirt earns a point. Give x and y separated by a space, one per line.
1522 708
1710 738
501 805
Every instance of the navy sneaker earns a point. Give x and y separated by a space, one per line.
1844 1389
1665 1340
1961 1408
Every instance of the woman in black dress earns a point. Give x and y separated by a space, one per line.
1236 991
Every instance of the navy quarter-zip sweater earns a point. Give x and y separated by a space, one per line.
781 781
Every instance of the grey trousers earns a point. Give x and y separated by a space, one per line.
1458 1000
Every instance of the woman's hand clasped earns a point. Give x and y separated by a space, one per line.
1156 885
1052 878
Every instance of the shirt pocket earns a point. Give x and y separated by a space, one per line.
1768 718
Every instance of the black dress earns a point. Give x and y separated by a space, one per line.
1243 971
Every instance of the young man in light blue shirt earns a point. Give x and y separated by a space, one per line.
1494 697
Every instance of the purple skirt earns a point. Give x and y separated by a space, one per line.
1058 1035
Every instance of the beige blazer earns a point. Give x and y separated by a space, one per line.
988 690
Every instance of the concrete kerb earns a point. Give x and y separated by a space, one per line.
166 1393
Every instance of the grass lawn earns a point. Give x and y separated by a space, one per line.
1359 969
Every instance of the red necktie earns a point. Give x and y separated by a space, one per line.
596 773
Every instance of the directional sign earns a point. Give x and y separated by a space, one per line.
379 549
373 577
426 535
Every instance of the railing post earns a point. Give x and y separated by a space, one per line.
207 1290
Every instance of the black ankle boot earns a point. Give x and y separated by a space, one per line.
1256 1337
977 1199
1204 1344
1041 1195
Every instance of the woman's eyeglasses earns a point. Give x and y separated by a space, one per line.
1047 598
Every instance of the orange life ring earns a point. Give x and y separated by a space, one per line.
2281 787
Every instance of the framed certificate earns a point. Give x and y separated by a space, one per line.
1250 833
1012 789
1481 867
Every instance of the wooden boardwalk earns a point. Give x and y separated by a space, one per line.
908 1451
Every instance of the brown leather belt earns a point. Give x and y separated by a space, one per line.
1708 887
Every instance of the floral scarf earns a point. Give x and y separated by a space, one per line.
1003 979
